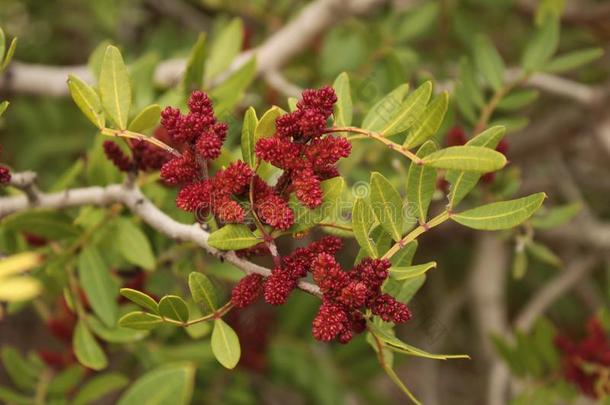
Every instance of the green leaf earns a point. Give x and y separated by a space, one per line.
225 48
100 288
409 110
543 253
398 345
500 215
343 106
141 299
387 205
421 183
417 21
99 386
3 106
228 93
233 237
225 344
9 54
87 100
146 119
463 182
430 121
140 320
403 291
23 373
195 66
47 224
518 99
470 86
404 273
203 292
66 380
467 158
266 125
114 87
489 62
380 113
116 334
542 46
555 216
2 44
87 350
305 218
573 60
404 257
168 384
174 307
247 137
362 221
134 245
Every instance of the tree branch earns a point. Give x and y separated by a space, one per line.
141 206
274 53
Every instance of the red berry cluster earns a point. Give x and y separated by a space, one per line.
587 361
144 156
297 147
5 173
344 293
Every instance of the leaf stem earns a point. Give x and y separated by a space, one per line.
214 315
437 220
378 137
124 133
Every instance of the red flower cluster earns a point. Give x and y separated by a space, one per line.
5 173
344 293
586 362
144 156
298 148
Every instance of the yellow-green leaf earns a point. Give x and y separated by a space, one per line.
379 115
500 215
140 320
203 292
101 290
225 344
363 219
168 384
466 158
421 183
225 48
429 122
87 100
88 352
18 263
387 205
343 106
409 110
489 62
114 87
141 299
404 273
266 125
233 237
174 307
147 118
247 137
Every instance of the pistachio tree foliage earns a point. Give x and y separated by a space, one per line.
184 180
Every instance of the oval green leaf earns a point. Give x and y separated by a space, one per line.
101 290
134 245
404 273
225 344
429 122
141 299
421 183
87 100
87 350
247 137
169 384
174 307
203 292
363 219
409 110
500 215
233 237
343 109
387 205
115 87
147 118
140 320
466 158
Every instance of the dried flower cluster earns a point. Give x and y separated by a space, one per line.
586 363
345 294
